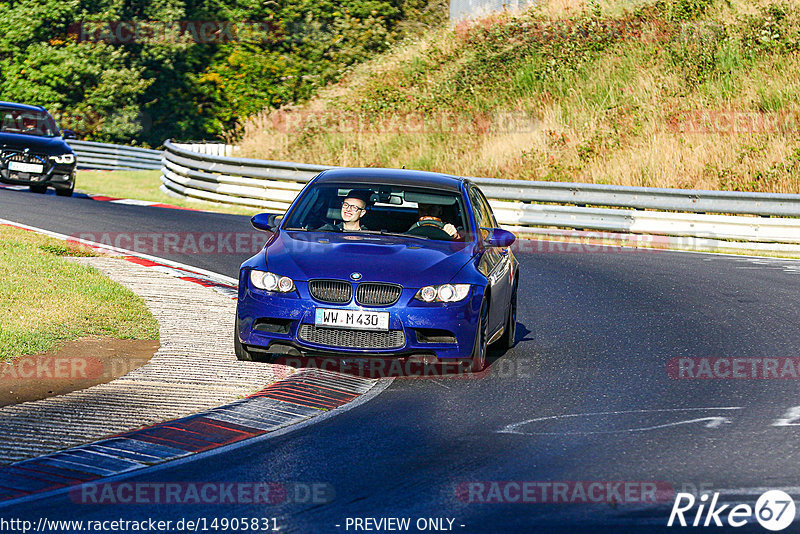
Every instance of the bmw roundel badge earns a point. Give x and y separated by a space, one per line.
355 276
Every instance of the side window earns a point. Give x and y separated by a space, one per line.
487 209
474 199
480 206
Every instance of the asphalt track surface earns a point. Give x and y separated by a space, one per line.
584 396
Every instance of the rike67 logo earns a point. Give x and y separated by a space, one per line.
774 510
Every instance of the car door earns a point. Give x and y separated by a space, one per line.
494 263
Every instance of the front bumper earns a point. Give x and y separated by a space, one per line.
56 175
446 331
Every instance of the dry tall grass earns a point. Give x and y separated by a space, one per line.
629 113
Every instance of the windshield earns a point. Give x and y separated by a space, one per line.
27 122
385 209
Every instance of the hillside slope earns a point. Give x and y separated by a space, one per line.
679 93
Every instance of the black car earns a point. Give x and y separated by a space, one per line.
33 151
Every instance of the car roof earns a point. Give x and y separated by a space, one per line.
404 177
25 107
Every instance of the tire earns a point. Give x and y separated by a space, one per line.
480 348
240 350
508 338
65 192
39 189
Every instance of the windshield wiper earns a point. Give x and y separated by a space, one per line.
297 229
384 232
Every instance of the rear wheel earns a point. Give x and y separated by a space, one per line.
507 341
38 188
481 337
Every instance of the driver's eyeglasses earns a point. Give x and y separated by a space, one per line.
347 207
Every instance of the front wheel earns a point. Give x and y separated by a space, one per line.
481 337
240 350
65 192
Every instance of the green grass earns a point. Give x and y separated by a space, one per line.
46 299
144 185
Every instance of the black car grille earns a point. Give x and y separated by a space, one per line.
376 294
352 339
335 291
22 157
25 158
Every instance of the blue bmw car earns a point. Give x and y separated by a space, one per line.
380 263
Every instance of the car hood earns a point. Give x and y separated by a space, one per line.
406 261
52 146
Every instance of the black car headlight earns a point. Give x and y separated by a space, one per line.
271 281
443 293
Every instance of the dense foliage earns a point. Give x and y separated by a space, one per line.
176 85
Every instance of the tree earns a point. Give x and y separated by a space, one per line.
89 87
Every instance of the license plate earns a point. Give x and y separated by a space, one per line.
356 319
25 167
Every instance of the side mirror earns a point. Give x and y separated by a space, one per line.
497 237
266 221
68 134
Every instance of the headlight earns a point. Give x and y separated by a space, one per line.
65 159
271 281
443 293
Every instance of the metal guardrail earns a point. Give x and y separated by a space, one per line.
210 148
520 216
271 185
690 200
106 156
519 205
